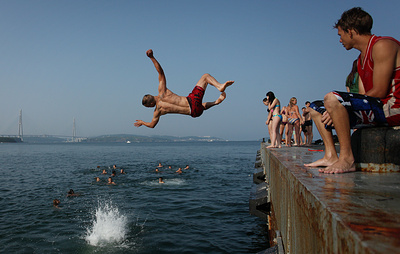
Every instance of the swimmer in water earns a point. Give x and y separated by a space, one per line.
110 181
104 172
56 203
179 171
160 180
71 193
122 171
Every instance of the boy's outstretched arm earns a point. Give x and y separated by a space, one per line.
162 87
152 124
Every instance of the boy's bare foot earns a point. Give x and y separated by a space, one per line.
225 85
221 98
324 162
341 166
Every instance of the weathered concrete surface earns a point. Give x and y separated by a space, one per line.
355 212
377 149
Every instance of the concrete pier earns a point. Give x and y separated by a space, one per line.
312 212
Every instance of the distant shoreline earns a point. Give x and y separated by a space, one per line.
121 138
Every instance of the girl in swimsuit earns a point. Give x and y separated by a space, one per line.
283 123
275 115
269 119
294 120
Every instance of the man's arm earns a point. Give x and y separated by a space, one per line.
384 56
162 87
152 124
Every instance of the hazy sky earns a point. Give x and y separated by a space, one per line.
86 60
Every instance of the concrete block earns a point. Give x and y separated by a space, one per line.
377 149
393 145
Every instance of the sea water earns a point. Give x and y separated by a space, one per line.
202 210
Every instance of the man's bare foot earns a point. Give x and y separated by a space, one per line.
324 162
225 85
221 98
341 166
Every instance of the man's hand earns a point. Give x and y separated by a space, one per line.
149 53
138 123
326 118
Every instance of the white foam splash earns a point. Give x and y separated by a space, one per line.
109 226
167 182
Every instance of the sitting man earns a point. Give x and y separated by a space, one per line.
166 102
378 101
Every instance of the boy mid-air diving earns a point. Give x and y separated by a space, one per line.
166 102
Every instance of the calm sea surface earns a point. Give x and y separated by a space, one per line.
202 210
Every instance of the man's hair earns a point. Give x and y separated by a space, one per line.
307 102
148 99
357 19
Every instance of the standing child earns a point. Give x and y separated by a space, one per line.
294 121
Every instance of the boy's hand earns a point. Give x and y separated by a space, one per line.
149 53
138 123
326 118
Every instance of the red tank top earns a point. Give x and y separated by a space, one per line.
391 104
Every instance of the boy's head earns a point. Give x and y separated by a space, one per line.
355 19
149 101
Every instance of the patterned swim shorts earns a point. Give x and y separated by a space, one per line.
195 99
363 110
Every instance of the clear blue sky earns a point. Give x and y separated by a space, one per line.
86 60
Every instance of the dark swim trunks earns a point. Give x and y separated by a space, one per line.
195 99
308 123
363 110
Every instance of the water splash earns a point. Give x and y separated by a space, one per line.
167 182
109 226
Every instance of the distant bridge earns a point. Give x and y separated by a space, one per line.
20 136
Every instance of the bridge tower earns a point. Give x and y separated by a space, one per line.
20 128
74 132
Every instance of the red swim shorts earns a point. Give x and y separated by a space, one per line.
195 99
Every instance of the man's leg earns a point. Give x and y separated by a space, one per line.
340 118
220 99
208 79
330 156
310 134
